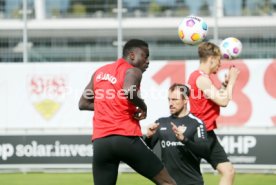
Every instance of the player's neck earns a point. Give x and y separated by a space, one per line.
204 68
182 113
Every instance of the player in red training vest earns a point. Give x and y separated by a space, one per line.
113 95
205 103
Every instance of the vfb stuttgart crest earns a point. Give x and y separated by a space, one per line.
47 93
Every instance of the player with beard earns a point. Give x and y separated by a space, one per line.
182 138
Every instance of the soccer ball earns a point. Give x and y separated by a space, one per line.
230 48
192 30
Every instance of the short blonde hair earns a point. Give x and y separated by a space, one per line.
208 49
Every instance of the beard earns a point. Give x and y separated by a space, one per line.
177 112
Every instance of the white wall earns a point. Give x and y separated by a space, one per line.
45 95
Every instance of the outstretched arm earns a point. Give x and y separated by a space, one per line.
86 101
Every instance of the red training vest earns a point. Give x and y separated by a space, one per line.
200 106
113 113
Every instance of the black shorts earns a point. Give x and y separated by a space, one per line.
217 153
110 151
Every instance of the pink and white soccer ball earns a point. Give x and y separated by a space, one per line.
192 30
230 48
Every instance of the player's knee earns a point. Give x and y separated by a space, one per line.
226 170
170 182
231 171
163 178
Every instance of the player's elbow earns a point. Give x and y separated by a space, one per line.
223 102
81 106
86 105
224 105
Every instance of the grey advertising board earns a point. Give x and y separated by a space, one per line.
252 149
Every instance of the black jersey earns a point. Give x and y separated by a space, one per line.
182 159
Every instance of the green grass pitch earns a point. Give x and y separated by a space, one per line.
123 179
